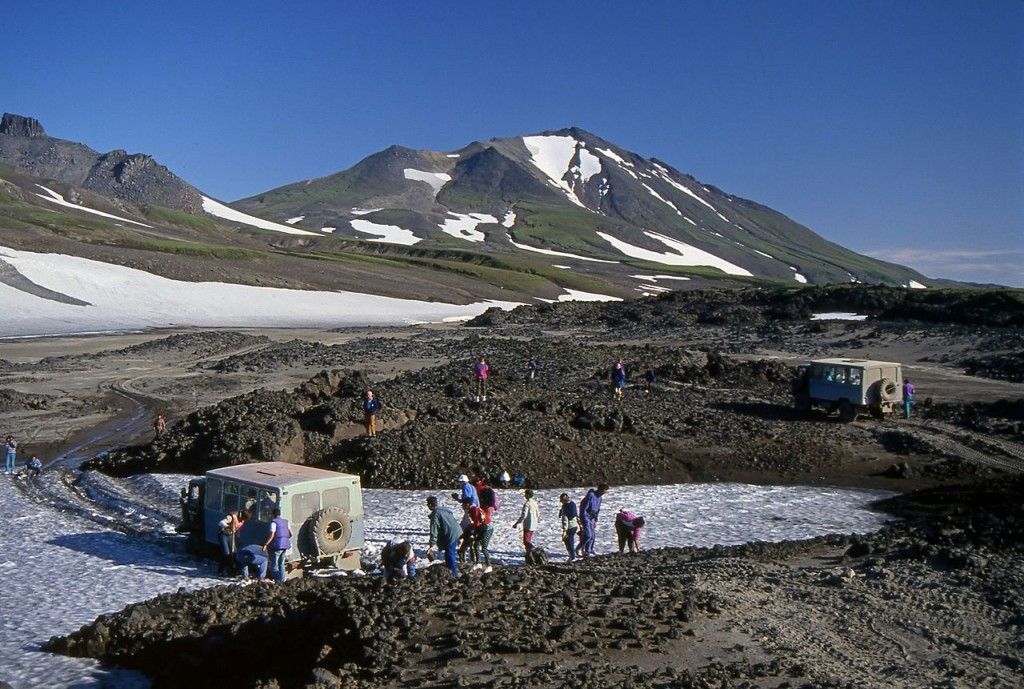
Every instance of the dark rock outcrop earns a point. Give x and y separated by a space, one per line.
19 125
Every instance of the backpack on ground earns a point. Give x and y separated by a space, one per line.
489 498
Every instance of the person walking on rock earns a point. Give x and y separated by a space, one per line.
159 426
481 372
627 529
529 517
10 453
590 510
371 405
619 378
444 532
908 397
532 367
278 543
569 515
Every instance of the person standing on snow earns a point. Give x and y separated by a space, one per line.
278 543
569 515
371 405
10 453
444 532
627 529
590 510
618 378
908 397
468 491
529 517
481 372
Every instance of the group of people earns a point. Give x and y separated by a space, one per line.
261 560
34 466
452 539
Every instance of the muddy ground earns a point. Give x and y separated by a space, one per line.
933 602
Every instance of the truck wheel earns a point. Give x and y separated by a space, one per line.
331 529
846 411
887 389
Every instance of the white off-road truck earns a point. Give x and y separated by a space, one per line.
849 387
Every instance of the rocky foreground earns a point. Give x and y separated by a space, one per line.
936 600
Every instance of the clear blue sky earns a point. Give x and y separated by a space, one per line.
894 128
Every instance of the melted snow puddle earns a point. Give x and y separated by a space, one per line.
60 572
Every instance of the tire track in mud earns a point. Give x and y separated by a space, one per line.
955 442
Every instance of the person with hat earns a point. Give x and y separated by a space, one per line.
468 491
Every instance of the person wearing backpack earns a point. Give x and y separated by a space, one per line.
278 543
568 515
590 509
529 517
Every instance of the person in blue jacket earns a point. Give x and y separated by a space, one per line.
252 556
468 492
445 532
371 405
278 543
590 509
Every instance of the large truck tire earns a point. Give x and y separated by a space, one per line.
331 530
887 389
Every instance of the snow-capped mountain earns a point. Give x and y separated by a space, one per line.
567 194
91 240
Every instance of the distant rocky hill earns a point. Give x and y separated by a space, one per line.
136 178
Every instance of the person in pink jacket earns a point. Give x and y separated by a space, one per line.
481 372
627 528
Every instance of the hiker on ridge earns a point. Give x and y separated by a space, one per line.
371 405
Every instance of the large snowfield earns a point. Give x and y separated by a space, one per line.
121 298
61 567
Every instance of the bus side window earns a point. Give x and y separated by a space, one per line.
854 376
248 501
268 503
213 486
230 497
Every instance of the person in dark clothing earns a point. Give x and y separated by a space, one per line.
252 556
590 509
569 515
649 379
371 405
532 367
619 378
445 532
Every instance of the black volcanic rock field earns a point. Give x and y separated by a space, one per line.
934 600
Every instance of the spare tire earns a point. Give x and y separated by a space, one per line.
331 529
887 389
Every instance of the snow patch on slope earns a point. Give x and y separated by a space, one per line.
226 212
128 299
686 191
590 164
292 221
54 197
914 284
509 220
800 278
662 199
436 180
552 156
682 254
389 234
463 225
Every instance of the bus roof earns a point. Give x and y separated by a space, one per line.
859 363
276 474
